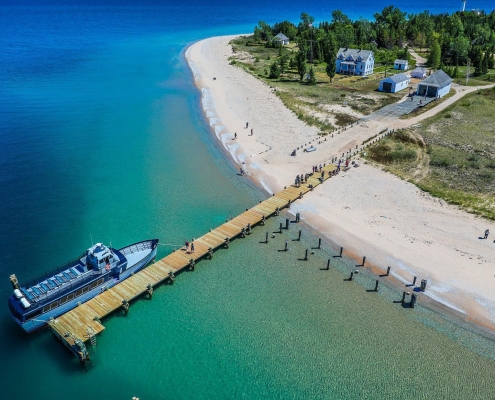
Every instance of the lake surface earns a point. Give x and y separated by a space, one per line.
103 140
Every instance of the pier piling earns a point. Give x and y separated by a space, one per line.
376 285
298 217
328 264
191 264
388 271
414 280
299 236
423 284
306 255
280 228
404 294
125 305
414 297
266 238
287 222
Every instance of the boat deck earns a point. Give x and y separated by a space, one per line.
84 320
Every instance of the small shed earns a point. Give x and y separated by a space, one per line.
418 72
436 85
394 83
400 64
281 39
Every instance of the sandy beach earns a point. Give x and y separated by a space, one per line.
367 211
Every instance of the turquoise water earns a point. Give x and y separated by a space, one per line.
102 139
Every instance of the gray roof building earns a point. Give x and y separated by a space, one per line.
419 69
399 78
345 52
438 79
281 36
400 61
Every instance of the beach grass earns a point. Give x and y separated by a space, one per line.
451 155
325 105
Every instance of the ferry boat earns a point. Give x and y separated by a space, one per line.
34 303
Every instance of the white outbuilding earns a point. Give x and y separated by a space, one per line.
281 39
419 72
401 64
394 83
436 85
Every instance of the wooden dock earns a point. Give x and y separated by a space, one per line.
83 323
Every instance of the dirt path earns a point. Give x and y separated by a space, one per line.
420 61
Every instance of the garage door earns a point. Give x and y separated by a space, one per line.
387 86
432 92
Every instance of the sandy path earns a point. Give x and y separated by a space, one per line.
366 210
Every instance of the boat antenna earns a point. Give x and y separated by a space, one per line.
91 237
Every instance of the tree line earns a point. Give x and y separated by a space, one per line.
452 39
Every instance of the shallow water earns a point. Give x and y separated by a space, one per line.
103 139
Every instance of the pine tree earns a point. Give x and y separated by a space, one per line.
312 77
292 63
274 71
301 63
282 62
484 64
491 60
435 55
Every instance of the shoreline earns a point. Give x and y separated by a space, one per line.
369 212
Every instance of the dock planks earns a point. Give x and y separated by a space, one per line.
75 323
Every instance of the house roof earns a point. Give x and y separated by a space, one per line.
400 61
419 69
437 79
281 36
355 53
397 78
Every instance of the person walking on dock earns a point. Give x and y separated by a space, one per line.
192 247
187 246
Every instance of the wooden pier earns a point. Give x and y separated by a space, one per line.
83 323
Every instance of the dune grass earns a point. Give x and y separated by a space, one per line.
451 155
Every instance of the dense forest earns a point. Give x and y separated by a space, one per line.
452 39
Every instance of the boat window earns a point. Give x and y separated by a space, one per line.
93 285
85 289
100 281
70 297
79 292
63 300
33 315
51 306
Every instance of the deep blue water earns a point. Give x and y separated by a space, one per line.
102 139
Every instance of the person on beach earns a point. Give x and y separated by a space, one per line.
251 131
487 232
247 124
242 172
235 135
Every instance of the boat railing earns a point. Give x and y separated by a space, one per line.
62 288
146 245
49 274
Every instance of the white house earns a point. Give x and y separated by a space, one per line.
436 85
354 62
400 64
394 83
418 72
280 38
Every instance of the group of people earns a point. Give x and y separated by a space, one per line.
189 247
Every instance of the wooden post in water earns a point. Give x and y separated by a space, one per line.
414 297
341 250
423 284
319 243
243 233
376 285
352 276
227 243
306 255
404 294
263 219
328 264
171 277
266 238
280 228
150 290
298 217
364 260
191 264
286 246
210 252
277 211
287 222
388 271
414 281
125 305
